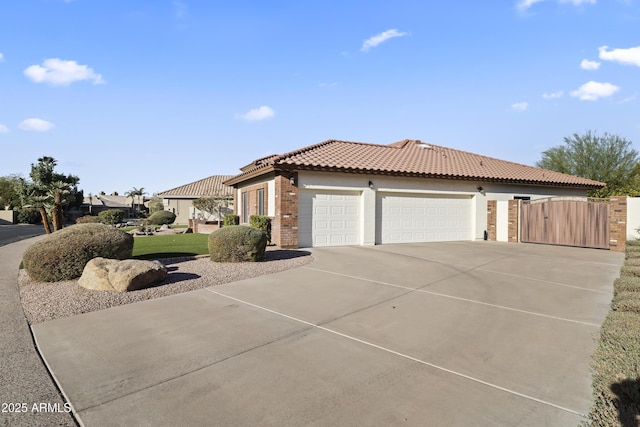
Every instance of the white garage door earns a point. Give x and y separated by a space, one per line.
408 218
328 218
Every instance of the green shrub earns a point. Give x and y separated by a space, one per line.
161 218
630 271
231 219
111 216
633 243
62 255
626 301
616 371
626 284
29 216
237 243
633 262
88 219
632 252
262 223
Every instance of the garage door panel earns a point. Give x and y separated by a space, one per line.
422 218
328 218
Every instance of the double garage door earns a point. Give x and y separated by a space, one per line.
335 218
410 218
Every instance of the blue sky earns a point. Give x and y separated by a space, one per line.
157 94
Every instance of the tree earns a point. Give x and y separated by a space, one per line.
606 158
135 194
213 205
49 192
156 204
9 197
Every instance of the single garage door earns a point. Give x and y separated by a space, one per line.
409 218
328 218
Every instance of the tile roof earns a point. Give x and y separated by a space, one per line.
204 187
409 158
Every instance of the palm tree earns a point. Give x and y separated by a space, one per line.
56 191
135 193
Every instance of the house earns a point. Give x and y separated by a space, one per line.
350 193
179 200
93 205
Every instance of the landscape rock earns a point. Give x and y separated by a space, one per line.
103 274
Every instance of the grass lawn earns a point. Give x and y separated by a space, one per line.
170 245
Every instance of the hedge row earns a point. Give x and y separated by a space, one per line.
616 361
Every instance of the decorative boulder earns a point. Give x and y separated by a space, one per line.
102 274
62 255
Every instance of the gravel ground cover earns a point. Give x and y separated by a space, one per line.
49 301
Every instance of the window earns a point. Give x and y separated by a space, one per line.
261 201
245 207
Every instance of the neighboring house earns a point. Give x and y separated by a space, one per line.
179 200
93 205
349 193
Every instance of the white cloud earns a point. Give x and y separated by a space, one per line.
61 73
35 125
380 38
629 56
591 91
553 95
1 57
260 113
523 5
526 4
334 84
578 2
4 129
520 106
589 65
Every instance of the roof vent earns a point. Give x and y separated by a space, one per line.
422 144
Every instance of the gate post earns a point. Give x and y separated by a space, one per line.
492 211
514 214
618 223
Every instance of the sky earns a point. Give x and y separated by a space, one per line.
158 94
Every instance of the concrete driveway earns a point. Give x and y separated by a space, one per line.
456 334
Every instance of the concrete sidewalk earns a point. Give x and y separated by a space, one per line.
464 333
25 380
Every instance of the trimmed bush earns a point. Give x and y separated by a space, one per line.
626 301
632 262
632 252
262 223
629 271
111 216
62 255
29 216
237 243
616 371
626 284
161 218
231 219
88 219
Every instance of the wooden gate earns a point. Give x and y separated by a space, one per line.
566 221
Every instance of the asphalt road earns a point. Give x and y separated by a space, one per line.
17 232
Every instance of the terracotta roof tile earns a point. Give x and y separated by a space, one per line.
204 187
411 158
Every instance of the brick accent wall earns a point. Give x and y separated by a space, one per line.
201 226
284 226
513 217
618 224
492 212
